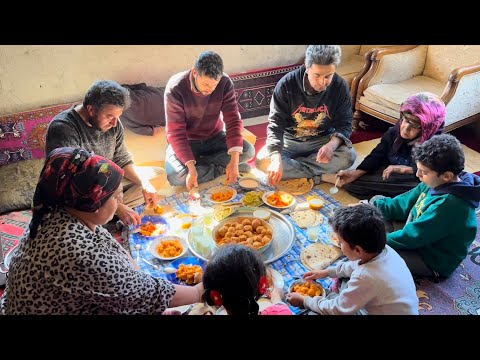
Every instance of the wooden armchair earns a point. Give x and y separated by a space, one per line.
356 60
396 72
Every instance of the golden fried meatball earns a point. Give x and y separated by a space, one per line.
223 230
266 239
269 233
238 227
238 232
259 229
257 245
256 223
246 222
242 237
248 233
247 228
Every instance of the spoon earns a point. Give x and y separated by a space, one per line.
156 267
138 247
167 270
334 189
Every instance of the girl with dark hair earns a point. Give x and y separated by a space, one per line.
236 278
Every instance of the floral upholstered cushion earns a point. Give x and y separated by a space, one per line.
19 181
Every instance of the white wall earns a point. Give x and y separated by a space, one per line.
41 75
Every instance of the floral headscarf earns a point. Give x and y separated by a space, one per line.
430 109
75 178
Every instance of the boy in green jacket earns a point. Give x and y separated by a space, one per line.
439 213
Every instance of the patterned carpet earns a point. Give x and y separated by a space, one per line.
457 295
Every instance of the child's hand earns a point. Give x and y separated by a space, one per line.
295 299
314 275
277 295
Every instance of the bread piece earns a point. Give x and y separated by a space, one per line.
296 186
318 256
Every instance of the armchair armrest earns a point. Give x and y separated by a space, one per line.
393 64
455 78
461 96
358 77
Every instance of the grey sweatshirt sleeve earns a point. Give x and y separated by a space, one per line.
61 134
122 157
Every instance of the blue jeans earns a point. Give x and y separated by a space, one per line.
299 158
211 159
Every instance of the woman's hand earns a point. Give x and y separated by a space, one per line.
399 169
127 215
348 176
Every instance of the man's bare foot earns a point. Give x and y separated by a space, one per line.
330 178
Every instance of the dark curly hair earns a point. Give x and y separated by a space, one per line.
209 64
107 92
235 272
441 153
360 225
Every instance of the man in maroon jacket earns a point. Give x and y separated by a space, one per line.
203 125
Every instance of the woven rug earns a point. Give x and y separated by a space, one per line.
24 133
254 89
457 295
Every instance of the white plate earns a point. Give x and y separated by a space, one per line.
269 193
277 277
223 188
263 303
156 242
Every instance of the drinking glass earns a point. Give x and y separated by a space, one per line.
313 232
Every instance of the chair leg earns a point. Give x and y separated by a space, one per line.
357 123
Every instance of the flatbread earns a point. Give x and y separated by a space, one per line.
318 256
305 218
296 186
222 212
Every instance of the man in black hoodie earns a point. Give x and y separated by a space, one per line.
310 121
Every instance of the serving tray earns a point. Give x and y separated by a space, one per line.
283 236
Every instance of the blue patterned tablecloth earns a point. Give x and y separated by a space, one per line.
289 266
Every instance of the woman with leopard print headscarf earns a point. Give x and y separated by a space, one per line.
67 263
